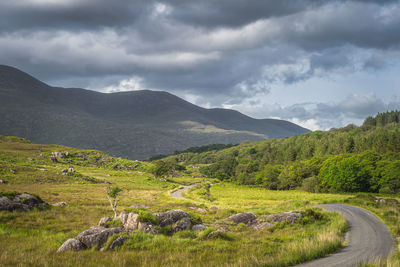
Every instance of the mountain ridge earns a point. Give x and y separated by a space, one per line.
137 124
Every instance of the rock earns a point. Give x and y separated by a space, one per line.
132 221
103 221
10 205
381 200
71 244
260 225
27 199
198 227
213 208
216 233
96 236
244 217
3 181
117 242
182 225
123 217
13 172
170 217
59 204
71 170
53 159
289 216
147 227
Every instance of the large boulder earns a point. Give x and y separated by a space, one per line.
289 217
170 217
244 217
96 236
71 244
129 220
182 225
27 199
11 205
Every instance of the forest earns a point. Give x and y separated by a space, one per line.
349 159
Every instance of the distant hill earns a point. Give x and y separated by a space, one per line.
135 124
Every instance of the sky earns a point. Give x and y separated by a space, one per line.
318 63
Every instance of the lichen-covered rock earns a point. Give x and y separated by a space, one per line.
257 225
170 217
28 199
96 236
11 205
289 217
71 244
103 221
117 242
123 217
182 225
244 217
147 227
198 227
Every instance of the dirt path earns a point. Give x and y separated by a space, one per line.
178 193
369 239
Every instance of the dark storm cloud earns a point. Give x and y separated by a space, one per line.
67 14
226 51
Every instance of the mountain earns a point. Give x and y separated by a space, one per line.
135 124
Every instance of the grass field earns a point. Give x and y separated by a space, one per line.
32 238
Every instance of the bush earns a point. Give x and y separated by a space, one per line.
310 184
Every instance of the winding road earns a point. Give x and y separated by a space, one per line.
178 193
369 239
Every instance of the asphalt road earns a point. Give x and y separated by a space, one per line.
178 193
369 239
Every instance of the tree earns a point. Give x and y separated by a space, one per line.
112 195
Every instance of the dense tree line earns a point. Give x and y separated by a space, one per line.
350 159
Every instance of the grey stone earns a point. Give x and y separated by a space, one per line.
103 221
147 227
182 225
117 242
96 236
198 227
71 244
244 217
257 225
289 216
170 217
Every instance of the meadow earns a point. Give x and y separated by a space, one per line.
32 238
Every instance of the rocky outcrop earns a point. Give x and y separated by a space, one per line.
244 217
71 244
96 236
289 217
170 217
129 220
21 202
182 225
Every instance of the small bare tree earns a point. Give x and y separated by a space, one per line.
112 195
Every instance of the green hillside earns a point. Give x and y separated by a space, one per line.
136 124
350 159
